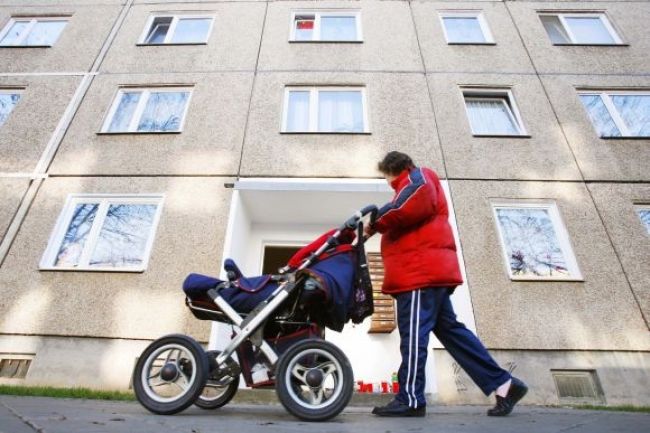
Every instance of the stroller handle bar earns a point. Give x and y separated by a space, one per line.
358 215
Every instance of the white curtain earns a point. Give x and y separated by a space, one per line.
490 117
460 29
298 112
340 111
589 30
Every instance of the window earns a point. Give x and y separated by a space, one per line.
465 27
580 29
32 32
618 114
534 242
104 233
8 100
145 110
181 29
325 109
644 214
493 112
326 26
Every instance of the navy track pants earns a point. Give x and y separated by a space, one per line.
429 309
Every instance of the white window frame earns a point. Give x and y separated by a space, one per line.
567 28
318 13
313 108
605 96
172 28
504 95
487 34
104 200
638 207
142 104
29 28
560 231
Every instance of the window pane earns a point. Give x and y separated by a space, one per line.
124 112
463 29
304 27
589 30
124 235
555 29
600 116
191 30
45 33
158 30
644 214
531 243
490 117
76 235
164 111
340 111
338 29
7 103
14 33
635 111
298 111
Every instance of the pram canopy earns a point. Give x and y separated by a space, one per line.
335 271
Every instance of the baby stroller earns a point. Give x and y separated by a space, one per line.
278 326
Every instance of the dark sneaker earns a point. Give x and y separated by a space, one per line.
504 406
396 408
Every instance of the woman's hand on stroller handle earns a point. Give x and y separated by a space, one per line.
354 219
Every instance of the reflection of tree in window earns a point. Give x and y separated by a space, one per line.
76 235
7 103
163 112
531 243
123 237
644 214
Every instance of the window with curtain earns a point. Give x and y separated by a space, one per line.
326 26
613 114
534 242
579 28
467 27
8 100
325 110
104 232
177 29
32 32
148 110
492 114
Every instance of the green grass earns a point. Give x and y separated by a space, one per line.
621 408
47 391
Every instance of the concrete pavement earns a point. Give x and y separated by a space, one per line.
50 415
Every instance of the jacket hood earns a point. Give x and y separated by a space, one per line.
399 179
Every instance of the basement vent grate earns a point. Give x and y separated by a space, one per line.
578 386
14 368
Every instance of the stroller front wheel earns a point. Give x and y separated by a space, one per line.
170 374
314 380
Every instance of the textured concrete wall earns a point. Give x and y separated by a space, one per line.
615 203
106 304
209 144
232 45
395 122
599 313
12 191
622 375
42 103
78 44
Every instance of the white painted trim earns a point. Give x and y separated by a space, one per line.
480 18
559 227
504 95
32 23
318 14
176 17
314 92
141 105
313 184
104 201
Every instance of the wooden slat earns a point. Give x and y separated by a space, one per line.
383 319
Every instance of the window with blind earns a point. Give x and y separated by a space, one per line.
493 112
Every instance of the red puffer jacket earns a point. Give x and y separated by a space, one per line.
417 245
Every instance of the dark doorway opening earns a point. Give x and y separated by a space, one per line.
276 257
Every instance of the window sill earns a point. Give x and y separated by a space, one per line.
170 44
139 133
591 45
471 43
547 280
325 42
25 46
324 133
113 270
631 137
502 135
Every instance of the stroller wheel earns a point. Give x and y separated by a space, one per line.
220 388
314 380
170 374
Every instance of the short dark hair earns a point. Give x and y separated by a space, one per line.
395 162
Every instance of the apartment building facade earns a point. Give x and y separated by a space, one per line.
141 140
